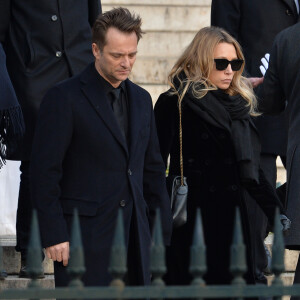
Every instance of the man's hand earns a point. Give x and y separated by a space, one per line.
256 81
59 252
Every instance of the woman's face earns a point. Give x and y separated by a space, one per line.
222 79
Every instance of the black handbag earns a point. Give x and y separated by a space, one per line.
179 189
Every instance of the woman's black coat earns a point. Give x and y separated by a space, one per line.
212 173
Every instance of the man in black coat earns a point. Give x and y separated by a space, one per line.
282 81
96 149
255 24
45 42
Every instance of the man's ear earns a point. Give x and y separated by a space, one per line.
96 50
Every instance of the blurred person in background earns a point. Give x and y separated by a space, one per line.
255 24
44 42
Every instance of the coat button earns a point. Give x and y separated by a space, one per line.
212 189
288 12
58 53
207 162
129 172
204 136
234 188
54 18
122 203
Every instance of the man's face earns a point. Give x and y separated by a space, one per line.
115 61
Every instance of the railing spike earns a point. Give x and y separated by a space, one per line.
117 267
76 267
198 253
278 251
34 253
2 277
157 263
238 263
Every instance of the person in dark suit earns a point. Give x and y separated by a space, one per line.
96 149
282 81
220 149
255 24
45 42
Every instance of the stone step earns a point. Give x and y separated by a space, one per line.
14 282
170 18
12 261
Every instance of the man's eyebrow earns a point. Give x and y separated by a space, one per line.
121 53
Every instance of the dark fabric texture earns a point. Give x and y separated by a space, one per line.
282 83
80 159
45 42
249 22
11 119
211 168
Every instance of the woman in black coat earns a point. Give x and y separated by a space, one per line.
220 151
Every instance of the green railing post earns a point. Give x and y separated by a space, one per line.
1 263
34 255
277 253
157 261
76 267
198 253
238 263
117 267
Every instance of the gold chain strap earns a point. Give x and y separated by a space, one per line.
180 143
180 97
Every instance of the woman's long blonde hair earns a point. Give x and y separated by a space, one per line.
197 62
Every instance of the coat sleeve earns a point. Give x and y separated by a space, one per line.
270 93
52 138
5 18
226 14
154 183
266 197
95 9
165 118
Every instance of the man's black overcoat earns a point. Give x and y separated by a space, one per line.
282 81
46 42
80 159
255 24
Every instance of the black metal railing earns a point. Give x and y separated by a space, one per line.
158 290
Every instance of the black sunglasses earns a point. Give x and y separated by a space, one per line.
222 64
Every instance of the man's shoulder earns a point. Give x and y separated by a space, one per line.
136 88
290 33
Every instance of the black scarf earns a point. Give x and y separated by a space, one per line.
231 113
11 119
242 135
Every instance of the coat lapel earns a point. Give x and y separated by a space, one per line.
135 114
92 89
